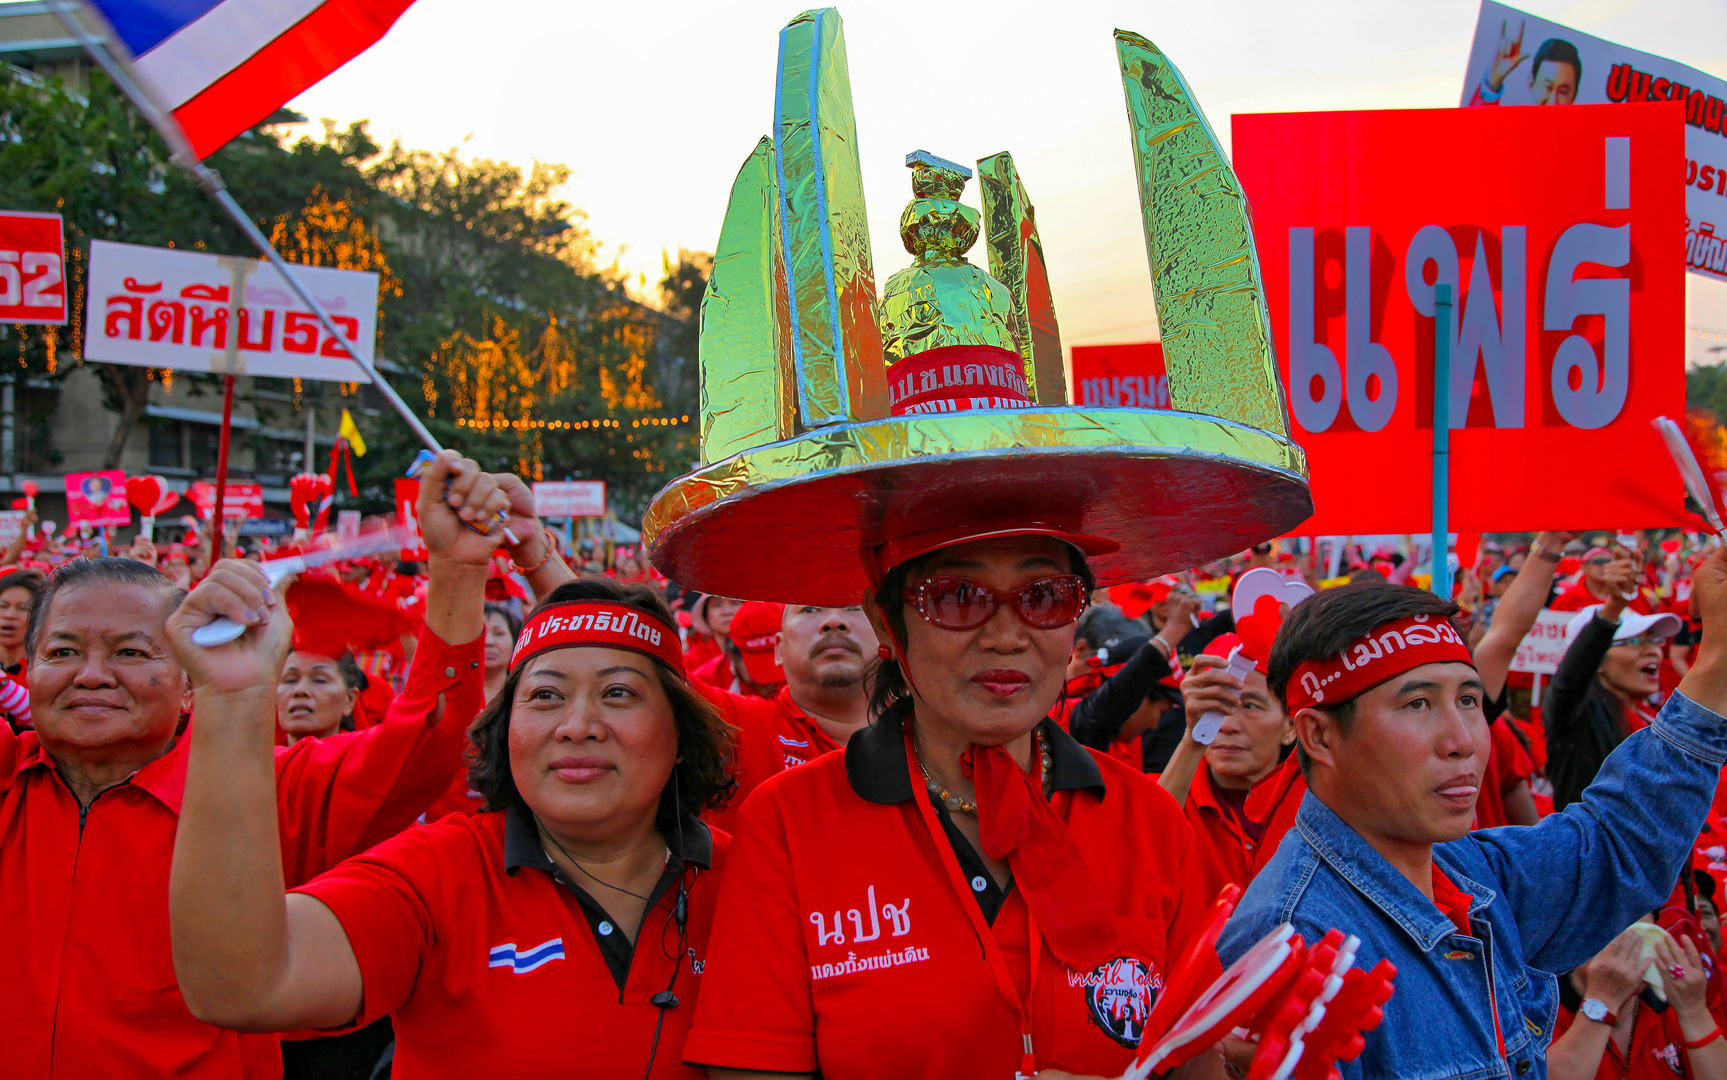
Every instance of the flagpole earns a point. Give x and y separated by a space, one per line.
211 183
1441 577
222 463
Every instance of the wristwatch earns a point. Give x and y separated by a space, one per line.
1597 1011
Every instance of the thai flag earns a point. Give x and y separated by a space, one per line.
221 66
525 960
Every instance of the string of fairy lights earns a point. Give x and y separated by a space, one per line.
501 424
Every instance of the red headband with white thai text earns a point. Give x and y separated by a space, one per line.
599 624
1386 653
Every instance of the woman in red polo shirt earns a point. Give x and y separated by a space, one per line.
564 928
1003 900
1213 782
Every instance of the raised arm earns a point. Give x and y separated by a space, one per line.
535 555
1098 719
1517 611
243 958
1207 685
341 795
1611 857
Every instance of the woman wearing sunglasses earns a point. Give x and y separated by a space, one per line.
986 896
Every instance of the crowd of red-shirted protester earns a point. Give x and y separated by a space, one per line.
390 662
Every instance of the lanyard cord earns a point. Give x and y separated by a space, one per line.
986 937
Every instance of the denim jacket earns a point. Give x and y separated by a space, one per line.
1546 898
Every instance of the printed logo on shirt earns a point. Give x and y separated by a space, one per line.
1119 996
1669 1056
898 918
870 916
523 961
793 742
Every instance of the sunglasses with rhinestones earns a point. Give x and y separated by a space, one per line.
959 603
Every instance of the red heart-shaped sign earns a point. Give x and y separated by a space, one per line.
30 488
144 492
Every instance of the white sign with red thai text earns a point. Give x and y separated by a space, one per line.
1518 59
97 499
570 498
1544 645
157 307
408 520
11 524
32 269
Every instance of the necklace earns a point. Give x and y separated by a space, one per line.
547 834
953 802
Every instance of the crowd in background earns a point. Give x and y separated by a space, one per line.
793 682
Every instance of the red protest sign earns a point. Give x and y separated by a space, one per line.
1120 376
32 269
1562 238
243 499
97 499
413 544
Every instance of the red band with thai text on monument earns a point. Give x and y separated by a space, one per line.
1389 651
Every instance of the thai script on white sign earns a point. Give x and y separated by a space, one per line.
187 310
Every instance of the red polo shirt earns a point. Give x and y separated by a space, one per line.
1656 1050
872 957
1225 851
89 980
490 962
772 735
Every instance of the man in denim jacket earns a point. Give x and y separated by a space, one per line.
1387 708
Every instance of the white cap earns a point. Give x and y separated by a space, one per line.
1631 624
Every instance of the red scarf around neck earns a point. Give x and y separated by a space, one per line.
1016 823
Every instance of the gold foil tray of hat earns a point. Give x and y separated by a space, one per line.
1016 260
1199 240
835 340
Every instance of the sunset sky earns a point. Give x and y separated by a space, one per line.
654 106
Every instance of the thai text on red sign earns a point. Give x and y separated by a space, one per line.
242 499
1129 376
32 268
1560 236
196 312
570 498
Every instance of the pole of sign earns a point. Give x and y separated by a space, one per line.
222 465
1442 440
211 184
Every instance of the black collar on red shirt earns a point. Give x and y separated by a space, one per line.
522 845
875 760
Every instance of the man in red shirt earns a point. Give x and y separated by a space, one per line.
824 654
89 802
1603 571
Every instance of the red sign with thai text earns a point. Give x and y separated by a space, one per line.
32 269
1127 376
1561 235
242 499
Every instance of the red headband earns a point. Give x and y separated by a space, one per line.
1384 654
599 624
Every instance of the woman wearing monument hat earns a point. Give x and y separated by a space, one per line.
965 891
563 928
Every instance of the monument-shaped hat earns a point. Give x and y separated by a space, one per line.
843 433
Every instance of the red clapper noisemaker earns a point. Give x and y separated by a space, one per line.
1691 472
1306 1006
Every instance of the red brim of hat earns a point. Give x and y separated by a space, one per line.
762 668
1167 490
